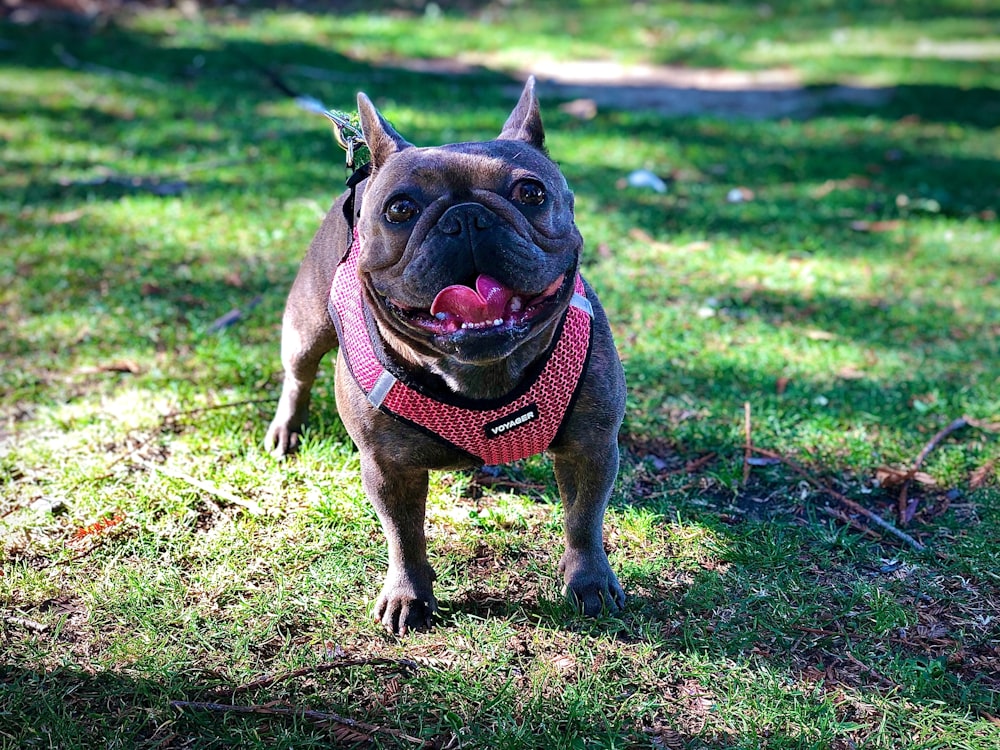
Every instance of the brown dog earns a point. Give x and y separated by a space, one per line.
465 337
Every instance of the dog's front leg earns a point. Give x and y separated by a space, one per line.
399 495
307 332
585 481
302 348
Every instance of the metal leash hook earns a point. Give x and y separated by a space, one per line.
348 136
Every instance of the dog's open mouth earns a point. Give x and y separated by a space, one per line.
490 307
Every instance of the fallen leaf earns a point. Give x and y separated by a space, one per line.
876 226
640 235
981 475
850 183
818 335
850 373
348 735
122 365
98 528
887 476
564 664
696 247
582 109
233 278
67 217
982 424
390 695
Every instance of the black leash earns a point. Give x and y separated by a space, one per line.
357 177
346 133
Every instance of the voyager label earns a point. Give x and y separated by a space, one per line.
519 418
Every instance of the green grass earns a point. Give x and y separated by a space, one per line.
130 578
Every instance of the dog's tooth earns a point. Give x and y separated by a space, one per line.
516 304
498 322
441 316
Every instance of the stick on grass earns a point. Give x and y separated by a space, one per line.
903 508
24 622
275 710
844 500
225 495
402 664
748 442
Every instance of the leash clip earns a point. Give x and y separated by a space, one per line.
347 135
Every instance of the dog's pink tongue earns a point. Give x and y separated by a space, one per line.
487 302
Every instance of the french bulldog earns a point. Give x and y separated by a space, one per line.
458 274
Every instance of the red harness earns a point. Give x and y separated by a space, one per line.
521 424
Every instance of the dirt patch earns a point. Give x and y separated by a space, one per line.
669 90
679 91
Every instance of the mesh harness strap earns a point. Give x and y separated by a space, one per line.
519 427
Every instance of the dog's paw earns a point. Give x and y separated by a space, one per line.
405 605
590 584
281 439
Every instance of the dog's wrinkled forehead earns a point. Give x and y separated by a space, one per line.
461 168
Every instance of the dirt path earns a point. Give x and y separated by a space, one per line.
668 89
674 90
590 85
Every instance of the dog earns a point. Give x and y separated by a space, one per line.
448 280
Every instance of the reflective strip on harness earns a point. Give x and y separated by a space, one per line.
523 426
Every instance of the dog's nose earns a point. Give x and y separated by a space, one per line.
467 218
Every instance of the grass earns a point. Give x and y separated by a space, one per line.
153 181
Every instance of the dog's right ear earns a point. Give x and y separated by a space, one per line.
525 122
381 139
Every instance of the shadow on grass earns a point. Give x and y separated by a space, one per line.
78 709
221 108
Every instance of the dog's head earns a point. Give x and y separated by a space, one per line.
468 250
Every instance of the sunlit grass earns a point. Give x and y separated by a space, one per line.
849 296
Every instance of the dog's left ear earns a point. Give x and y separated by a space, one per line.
525 122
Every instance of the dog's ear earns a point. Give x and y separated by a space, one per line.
381 139
525 122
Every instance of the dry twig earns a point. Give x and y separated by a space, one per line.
748 442
485 480
277 710
882 679
401 664
843 499
208 487
692 466
25 622
844 518
175 415
904 508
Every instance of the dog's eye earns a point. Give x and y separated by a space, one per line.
401 209
529 192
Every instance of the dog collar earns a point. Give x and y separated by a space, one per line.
496 431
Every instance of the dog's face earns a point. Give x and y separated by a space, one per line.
467 250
